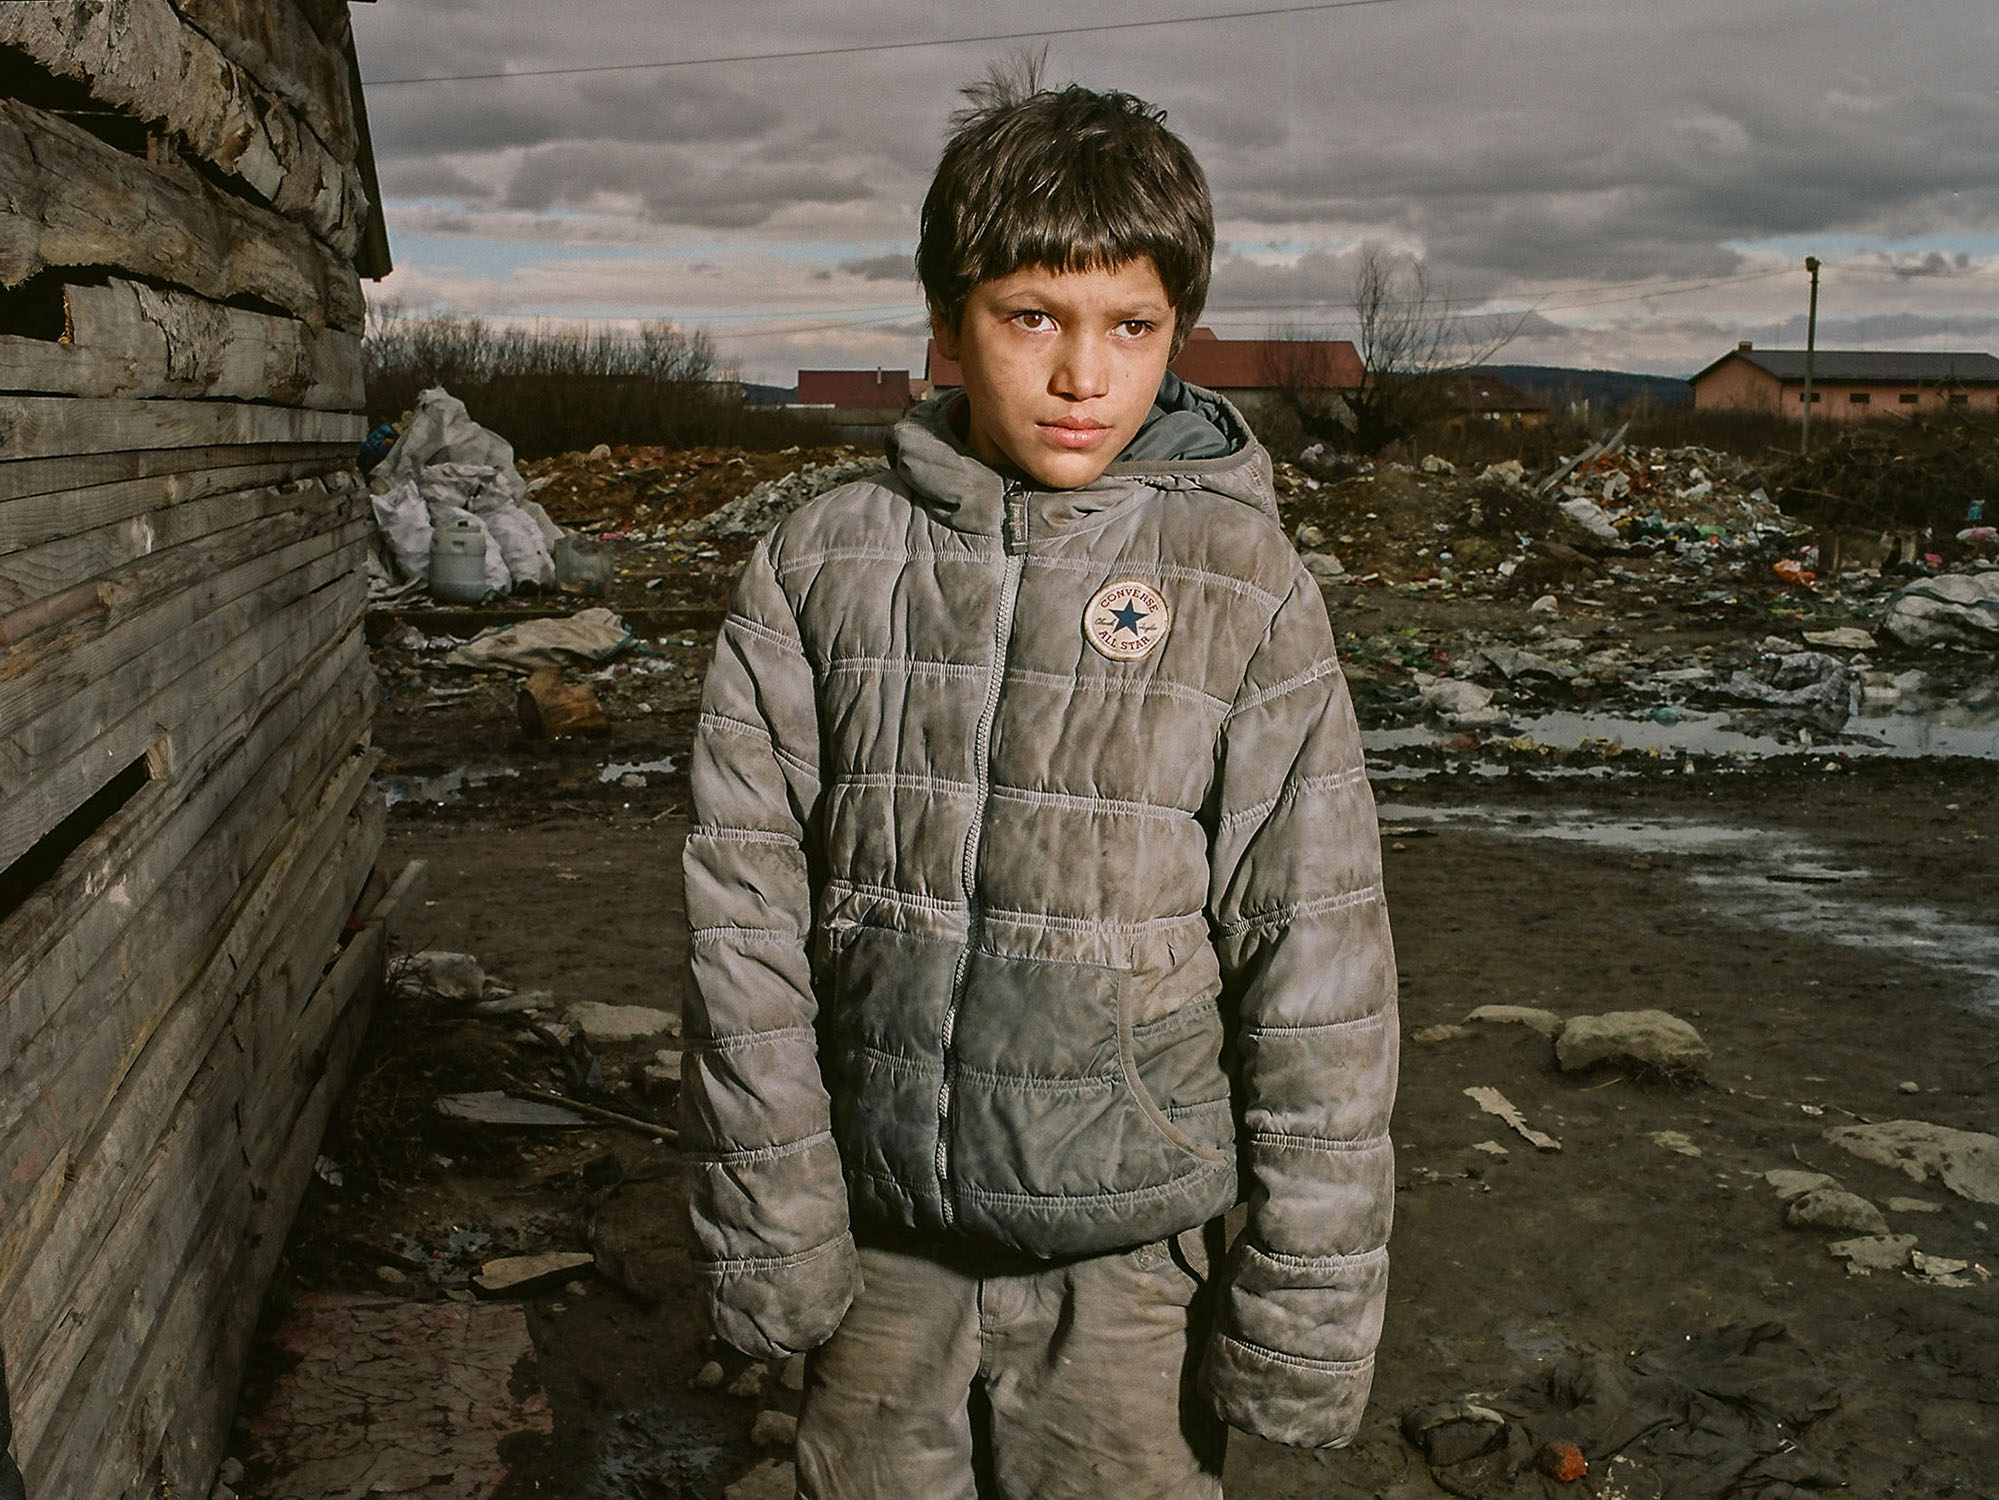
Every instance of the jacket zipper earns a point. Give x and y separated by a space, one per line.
1014 535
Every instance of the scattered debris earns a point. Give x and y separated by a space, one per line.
523 1275
1936 1270
449 976
1676 1141
1495 1103
552 709
1960 609
1875 1252
494 1107
771 501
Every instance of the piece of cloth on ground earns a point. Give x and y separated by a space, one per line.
1717 1418
588 637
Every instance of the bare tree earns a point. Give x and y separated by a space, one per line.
1407 337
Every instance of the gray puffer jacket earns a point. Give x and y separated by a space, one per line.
1035 893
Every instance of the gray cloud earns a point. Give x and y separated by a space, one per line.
881 268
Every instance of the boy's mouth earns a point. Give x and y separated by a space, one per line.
1075 432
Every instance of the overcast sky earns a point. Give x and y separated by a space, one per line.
1634 182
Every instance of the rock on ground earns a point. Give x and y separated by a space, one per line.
1649 1038
451 976
1835 1208
1791 1183
1965 1161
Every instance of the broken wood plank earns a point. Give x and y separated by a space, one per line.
48 426
140 57
133 340
72 200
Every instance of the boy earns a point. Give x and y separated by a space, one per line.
1035 891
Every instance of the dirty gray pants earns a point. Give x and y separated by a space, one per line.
953 1378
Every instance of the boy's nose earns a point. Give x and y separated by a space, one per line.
1082 370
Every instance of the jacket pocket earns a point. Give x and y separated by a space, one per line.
1172 1067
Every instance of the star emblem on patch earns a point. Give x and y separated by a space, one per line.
1126 620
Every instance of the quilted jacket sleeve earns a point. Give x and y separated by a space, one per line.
1309 976
769 1206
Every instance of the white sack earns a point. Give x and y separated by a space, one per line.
405 521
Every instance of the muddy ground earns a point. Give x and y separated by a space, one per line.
1825 918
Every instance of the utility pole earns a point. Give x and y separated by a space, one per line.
1811 345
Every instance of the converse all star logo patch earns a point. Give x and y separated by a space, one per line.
1126 620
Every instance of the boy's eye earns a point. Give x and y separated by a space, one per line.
1133 328
1032 319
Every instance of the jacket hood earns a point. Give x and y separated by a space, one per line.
1192 439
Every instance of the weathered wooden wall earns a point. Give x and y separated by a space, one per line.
187 827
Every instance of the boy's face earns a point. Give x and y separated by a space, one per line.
1061 366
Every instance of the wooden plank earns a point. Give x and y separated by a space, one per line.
53 763
104 1218
38 519
85 556
63 1036
55 478
234 748
132 340
74 201
140 57
49 426
172 1413
191 579
204 1130
272 41
74 1200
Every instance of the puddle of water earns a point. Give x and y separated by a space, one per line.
1952 729
441 788
661 767
1762 877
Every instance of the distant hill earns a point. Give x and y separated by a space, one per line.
768 395
1605 390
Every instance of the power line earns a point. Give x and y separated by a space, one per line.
950 41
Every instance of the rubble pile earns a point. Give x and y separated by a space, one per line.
645 493
753 514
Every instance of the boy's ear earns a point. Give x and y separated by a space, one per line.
945 332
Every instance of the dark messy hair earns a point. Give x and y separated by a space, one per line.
1069 179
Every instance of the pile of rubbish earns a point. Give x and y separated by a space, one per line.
1692 501
755 513
635 493
448 499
